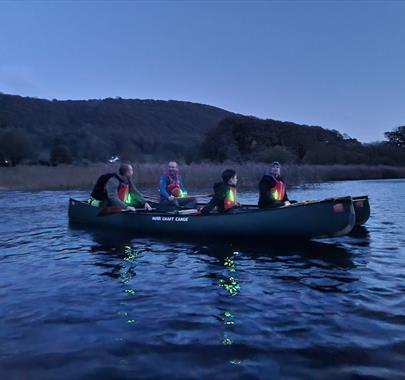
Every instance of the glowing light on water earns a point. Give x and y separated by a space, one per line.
232 287
227 342
126 275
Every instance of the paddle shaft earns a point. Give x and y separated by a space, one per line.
106 211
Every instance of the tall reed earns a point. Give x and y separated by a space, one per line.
196 176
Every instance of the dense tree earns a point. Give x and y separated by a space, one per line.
275 153
251 139
16 145
61 154
149 130
397 136
94 129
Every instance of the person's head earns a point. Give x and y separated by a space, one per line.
173 168
275 169
229 176
126 170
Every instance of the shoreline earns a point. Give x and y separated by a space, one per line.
197 177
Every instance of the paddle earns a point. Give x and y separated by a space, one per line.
152 199
191 211
112 210
200 196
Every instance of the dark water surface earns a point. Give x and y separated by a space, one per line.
80 304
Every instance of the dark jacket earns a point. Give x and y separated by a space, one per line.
265 200
220 192
135 198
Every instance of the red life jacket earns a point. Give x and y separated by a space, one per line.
278 192
123 191
231 199
174 187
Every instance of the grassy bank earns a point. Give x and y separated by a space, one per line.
196 176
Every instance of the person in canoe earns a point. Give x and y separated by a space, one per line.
272 189
117 190
172 191
225 194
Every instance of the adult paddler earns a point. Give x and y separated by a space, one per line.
117 190
172 191
272 189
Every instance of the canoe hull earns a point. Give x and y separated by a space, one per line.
362 209
328 218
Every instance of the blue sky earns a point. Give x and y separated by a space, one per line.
338 64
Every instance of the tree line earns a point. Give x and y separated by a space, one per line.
80 131
39 131
245 139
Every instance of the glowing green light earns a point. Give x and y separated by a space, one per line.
130 291
231 195
131 320
227 342
275 195
231 286
182 194
130 253
228 262
228 314
128 199
231 264
130 258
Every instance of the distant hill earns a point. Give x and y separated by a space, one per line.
96 129
155 130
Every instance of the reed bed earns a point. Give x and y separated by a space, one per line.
196 176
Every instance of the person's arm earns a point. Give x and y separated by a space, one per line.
265 187
210 206
264 192
112 193
285 199
216 200
137 200
162 188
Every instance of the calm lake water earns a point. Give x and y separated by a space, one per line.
80 304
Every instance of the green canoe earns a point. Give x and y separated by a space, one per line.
307 220
362 209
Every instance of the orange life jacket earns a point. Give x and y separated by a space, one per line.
231 199
278 192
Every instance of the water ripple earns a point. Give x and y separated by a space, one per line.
88 304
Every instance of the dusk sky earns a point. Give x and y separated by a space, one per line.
338 64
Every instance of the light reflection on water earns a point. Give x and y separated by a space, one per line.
103 305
